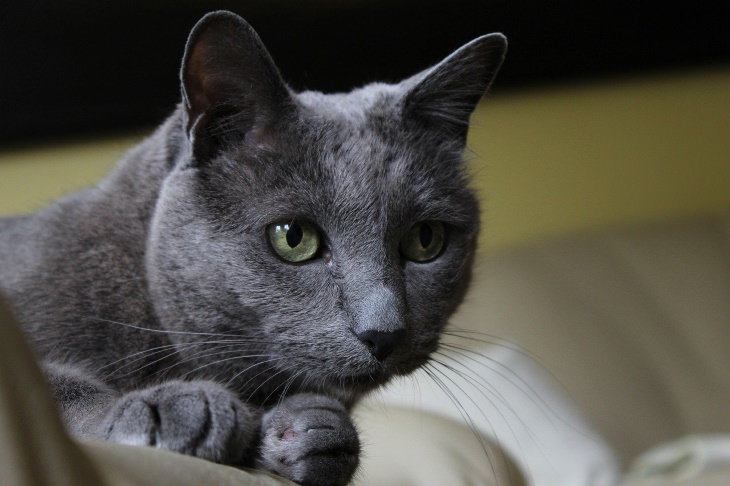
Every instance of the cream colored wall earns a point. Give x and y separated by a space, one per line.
31 178
614 153
547 162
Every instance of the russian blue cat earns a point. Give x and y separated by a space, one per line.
259 263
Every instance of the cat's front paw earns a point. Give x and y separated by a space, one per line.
198 418
311 440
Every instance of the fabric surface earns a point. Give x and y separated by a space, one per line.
633 324
506 396
686 459
711 478
407 447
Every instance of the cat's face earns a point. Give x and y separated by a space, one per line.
335 232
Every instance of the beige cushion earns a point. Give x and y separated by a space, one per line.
635 324
404 447
718 477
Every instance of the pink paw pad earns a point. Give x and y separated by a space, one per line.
288 434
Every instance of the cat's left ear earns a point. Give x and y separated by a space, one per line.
231 88
444 96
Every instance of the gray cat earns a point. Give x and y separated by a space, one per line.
259 263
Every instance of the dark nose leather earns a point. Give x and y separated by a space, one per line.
380 343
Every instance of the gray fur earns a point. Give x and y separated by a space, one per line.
162 316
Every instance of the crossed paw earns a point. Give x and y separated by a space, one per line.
307 438
310 439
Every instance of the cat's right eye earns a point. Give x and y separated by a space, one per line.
294 241
424 241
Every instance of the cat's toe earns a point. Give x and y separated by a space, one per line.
311 440
198 418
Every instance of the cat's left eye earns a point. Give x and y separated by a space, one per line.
294 241
424 241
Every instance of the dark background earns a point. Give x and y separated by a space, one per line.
83 67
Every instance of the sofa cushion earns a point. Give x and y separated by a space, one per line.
635 324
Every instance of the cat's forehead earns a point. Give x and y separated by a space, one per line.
355 107
360 139
353 155
358 133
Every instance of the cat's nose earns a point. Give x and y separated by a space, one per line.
381 343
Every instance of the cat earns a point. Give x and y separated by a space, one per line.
259 263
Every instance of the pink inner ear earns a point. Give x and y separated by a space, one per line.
231 85
197 84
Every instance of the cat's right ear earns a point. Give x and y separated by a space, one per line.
232 91
444 96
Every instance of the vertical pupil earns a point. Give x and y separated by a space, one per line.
294 235
426 235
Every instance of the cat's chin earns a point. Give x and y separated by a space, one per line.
350 389
362 383
366 382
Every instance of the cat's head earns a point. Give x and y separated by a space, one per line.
336 231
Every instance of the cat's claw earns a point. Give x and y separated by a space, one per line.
199 418
311 440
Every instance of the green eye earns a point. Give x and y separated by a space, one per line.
294 241
424 241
